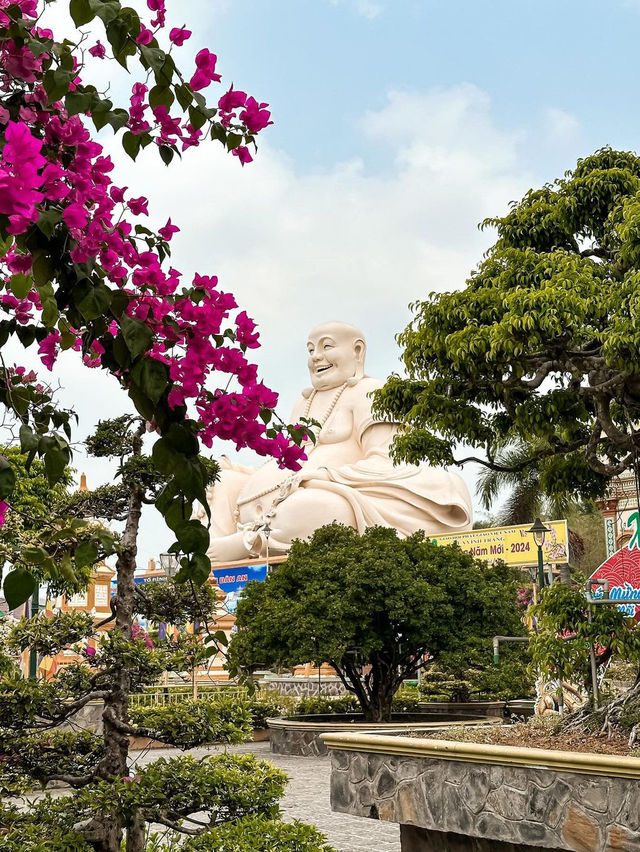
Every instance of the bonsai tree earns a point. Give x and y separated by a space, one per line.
375 607
541 347
561 647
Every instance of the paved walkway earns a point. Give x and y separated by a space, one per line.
307 799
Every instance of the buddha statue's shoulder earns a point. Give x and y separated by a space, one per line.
364 388
359 397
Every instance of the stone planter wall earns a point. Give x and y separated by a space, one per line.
305 738
304 686
450 797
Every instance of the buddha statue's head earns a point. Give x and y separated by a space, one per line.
336 355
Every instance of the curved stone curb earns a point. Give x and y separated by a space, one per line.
308 739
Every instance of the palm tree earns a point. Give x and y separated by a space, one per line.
526 499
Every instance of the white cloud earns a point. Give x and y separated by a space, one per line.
561 125
348 243
369 9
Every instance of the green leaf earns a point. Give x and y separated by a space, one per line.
55 461
184 95
143 404
165 456
117 118
106 11
197 117
47 221
56 83
234 140
86 553
182 439
161 96
166 154
34 555
117 35
18 587
177 513
153 56
20 285
78 102
96 302
131 144
28 440
42 269
152 377
193 537
49 312
21 400
7 478
199 567
137 335
119 302
100 112
81 12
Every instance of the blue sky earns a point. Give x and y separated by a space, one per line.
321 64
399 125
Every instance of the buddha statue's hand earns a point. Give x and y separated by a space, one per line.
287 487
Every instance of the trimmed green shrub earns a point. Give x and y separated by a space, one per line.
46 827
473 676
269 704
313 705
258 834
406 700
193 723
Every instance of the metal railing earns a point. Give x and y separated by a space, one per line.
161 695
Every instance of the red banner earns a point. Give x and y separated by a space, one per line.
622 570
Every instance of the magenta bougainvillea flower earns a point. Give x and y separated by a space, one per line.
98 50
178 35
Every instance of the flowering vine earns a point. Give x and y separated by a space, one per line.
80 271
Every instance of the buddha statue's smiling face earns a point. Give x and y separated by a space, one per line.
336 354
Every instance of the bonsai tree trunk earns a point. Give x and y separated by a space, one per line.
105 830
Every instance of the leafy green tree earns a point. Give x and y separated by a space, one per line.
542 345
372 606
41 540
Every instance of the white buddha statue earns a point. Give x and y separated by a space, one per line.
348 476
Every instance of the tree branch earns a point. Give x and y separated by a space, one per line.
621 439
603 254
175 826
75 781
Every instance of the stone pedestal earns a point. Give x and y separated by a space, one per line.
468 797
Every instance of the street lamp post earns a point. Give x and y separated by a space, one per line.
266 529
539 531
170 564
33 654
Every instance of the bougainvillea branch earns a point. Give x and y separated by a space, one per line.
79 270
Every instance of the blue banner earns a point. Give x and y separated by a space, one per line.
233 580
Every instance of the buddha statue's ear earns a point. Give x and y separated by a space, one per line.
359 350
